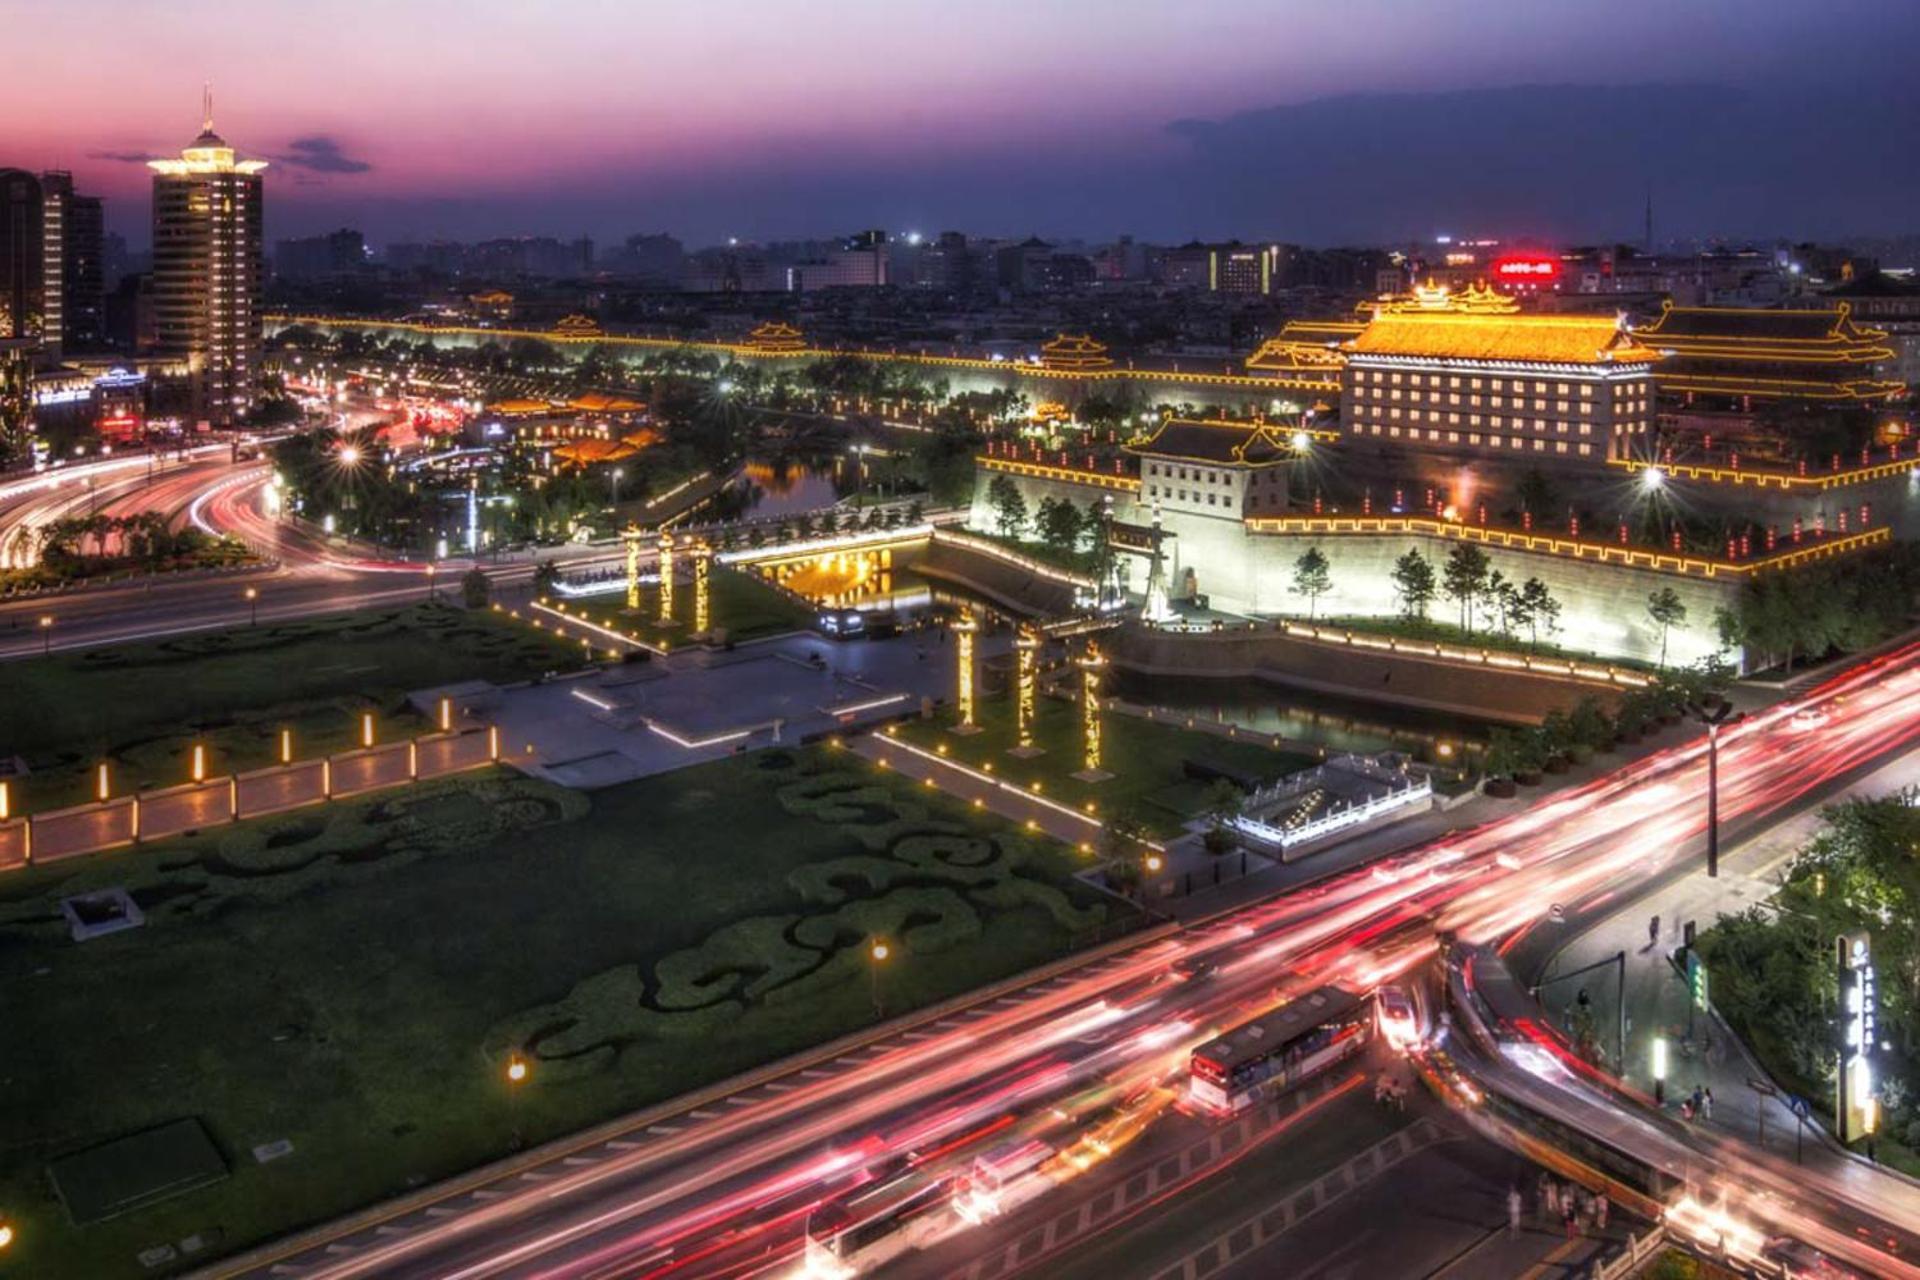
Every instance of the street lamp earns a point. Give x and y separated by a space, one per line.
46 634
1155 862
517 1072
253 606
1660 1071
1653 479
1713 712
614 484
878 953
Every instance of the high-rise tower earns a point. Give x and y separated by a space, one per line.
207 271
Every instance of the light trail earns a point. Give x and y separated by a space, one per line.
1072 1041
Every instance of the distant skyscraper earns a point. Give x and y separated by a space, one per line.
75 234
207 271
23 257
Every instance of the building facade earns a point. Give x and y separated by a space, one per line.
1568 387
207 273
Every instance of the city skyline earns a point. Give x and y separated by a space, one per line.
1207 121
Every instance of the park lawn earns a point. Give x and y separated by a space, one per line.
1146 758
740 604
142 707
351 978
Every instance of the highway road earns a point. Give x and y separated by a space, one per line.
720 1184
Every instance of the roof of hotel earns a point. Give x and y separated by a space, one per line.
1554 339
1832 325
1228 444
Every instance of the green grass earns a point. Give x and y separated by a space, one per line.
1146 759
143 706
739 604
351 978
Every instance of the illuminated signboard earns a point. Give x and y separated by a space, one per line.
1856 1107
1527 268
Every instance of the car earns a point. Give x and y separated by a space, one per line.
1399 1023
1808 718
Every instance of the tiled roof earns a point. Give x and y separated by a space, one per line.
1220 443
1830 327
1556 339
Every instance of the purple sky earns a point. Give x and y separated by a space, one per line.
416 118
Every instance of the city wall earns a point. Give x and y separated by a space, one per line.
1207 384
1238 570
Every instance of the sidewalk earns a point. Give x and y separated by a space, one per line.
1656 994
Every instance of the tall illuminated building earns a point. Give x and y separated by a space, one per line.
207 272
22 306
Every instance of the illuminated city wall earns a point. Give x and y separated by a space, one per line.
1603 605
1211 387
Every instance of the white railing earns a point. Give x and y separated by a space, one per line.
1639 1251
1352 815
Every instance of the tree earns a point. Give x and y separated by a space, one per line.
1413 583
1059 525
1494 596
1312 578
1539 609
546 576
1224 803
1465 579
475 589
1667 612
1009 506
1728 628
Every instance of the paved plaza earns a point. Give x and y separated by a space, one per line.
624 722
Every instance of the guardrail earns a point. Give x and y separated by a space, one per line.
213 802
1640 1250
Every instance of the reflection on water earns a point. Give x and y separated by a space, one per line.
1336 723
862 578
784 488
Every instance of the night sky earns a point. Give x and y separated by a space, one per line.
1316 121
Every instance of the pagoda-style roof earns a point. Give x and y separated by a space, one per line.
1747 327
775 336
1075 351
1526 339
1819 355
520 408
491 298
586 453
1306 348
1216 443
577 324
601 402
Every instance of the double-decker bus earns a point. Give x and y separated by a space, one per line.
902 1210
1278 1050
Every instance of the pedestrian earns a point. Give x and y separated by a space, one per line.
1513 1212
1552 1199
1653 933
1600 1211
1546 1196
1567 1214
1706 1104
1686 1110
1699 1098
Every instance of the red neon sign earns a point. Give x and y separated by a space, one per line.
1527 268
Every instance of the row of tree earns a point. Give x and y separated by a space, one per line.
1589 727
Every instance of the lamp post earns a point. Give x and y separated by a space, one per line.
253 606
517 1072
613 479
46 634
877 955
1660 1071
1713 712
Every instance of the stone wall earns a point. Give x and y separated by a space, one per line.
1603 606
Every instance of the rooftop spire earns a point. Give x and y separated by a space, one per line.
206 107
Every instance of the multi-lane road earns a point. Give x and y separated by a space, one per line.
720 1184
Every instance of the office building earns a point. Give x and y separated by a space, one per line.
74 232
207 272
